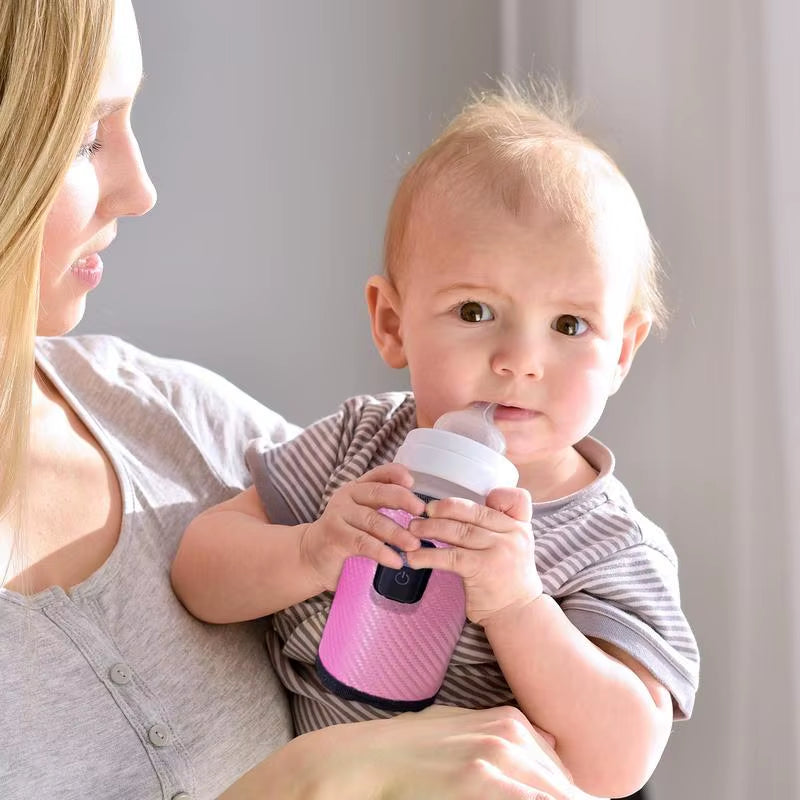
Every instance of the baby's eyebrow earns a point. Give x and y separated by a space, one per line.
581 305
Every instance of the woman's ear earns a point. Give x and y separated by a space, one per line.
637 326
383 302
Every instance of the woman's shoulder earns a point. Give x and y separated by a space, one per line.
107 374
119 361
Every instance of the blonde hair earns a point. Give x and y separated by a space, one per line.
514 145
52 54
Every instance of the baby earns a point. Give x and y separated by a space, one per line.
519 271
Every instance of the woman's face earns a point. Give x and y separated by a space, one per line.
107 180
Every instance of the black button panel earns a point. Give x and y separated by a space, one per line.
404 585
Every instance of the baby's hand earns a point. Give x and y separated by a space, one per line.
491 548
352 525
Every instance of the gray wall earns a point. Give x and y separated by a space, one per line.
698 102
275 133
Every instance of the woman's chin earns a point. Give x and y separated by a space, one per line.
60 320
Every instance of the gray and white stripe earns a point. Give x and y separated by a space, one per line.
612 570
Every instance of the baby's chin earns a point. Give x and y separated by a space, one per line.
534 451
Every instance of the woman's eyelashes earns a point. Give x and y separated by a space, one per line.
570 325
89 149
474 311
91 142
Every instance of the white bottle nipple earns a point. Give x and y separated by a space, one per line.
475 422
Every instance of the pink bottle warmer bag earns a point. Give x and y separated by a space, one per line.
390 633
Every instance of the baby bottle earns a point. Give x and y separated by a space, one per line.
391 632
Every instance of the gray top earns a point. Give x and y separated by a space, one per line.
611 569
113 689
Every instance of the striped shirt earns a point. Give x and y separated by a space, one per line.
612 571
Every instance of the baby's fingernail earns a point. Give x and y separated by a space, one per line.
430 508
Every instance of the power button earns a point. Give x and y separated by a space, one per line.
404 585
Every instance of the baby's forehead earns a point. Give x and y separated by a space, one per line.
455 236
598 206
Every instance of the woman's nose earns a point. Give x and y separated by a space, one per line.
129 191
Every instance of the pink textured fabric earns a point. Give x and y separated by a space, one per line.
395 651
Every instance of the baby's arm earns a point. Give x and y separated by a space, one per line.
609 716
233 564
611 719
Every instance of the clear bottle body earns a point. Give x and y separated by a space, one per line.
433 486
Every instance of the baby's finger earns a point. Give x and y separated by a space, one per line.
453 532
465 563
516 503
377 526
357 542
388 473
386 495
454 508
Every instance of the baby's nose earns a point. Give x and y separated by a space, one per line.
519 358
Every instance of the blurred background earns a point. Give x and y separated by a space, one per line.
276 132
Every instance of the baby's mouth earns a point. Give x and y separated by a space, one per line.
513 413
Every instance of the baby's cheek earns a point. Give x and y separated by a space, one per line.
439 388
585 405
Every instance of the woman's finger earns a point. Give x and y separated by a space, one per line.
529 765
540 787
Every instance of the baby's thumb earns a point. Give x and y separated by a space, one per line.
516 503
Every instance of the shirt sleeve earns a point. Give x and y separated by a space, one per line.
631 599
292 478
295 480
220 417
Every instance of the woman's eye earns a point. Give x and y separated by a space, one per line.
570 325
473 311
89 149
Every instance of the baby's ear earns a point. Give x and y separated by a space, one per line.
637 326
383 302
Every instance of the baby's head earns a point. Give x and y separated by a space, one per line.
518 270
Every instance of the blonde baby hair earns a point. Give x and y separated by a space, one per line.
515 145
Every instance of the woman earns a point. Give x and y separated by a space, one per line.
107 684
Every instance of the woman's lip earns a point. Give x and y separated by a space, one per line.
513 413
88 270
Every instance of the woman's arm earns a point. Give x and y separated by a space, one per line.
444 753
233 564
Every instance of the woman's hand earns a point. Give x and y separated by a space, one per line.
443 753
351 524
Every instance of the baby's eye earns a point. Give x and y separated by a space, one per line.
570 325
473 311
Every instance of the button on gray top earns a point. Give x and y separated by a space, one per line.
159 735
120 674
181 796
